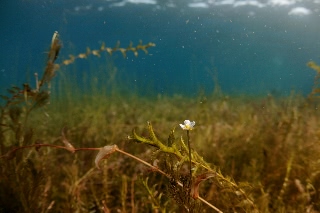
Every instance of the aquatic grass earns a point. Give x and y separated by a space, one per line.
246 144
250 154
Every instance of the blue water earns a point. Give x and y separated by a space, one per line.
252 47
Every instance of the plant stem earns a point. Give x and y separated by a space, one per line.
190 166
167 175
189 147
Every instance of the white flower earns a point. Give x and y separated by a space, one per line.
188 125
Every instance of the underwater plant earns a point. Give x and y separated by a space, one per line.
110 50
25 100
22 177
173 156
247 154
314 94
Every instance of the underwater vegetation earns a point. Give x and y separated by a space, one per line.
125 153
314 95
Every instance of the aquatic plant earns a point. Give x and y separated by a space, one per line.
173 156
314 94
23 177
247 154
110 50
23 100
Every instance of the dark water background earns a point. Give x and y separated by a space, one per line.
250 50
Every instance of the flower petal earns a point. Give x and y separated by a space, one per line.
188 125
